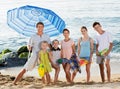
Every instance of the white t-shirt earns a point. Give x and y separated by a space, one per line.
103 40
35 40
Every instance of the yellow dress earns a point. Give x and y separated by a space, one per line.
44 59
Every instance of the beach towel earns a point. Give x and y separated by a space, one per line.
74 63
83 62
62 60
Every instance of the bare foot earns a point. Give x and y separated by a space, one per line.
14 83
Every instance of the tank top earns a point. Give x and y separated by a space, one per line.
85 48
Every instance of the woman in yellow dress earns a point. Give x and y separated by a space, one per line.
45 59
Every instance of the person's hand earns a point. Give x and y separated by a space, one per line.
90 60
106 54
97 53
30 48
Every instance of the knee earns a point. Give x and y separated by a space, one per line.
67 71
107 64
58 69
74 73
87 71
23 71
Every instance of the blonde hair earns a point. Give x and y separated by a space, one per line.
45 42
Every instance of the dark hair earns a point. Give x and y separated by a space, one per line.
84 27
66 30
96 23
54 41
39 23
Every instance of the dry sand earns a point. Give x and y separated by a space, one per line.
35 83
7 77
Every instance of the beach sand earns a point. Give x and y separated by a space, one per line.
31 80
35 83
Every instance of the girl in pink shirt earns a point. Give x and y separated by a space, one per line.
67 49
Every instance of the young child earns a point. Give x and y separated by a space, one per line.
56 54
44 58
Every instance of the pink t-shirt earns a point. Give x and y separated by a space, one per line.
67 48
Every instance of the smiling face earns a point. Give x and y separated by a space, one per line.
55 44
83 31
40 28
44 45
98 28
66 34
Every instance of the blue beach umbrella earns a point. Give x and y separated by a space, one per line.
24 19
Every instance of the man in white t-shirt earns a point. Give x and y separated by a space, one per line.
103 41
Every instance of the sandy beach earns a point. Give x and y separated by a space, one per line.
35 83
31 79
75 13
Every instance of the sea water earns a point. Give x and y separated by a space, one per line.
75 13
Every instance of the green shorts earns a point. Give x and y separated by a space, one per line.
101 59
